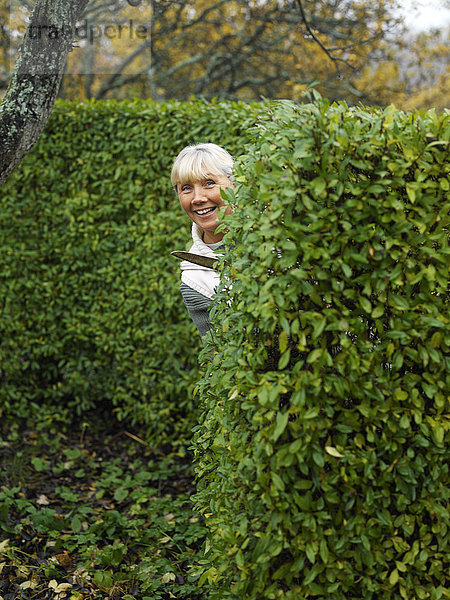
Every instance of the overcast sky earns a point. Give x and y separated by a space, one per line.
426 14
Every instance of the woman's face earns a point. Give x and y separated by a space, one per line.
200 201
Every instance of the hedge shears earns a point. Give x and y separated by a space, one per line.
197 259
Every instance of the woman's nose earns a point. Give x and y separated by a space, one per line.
199 193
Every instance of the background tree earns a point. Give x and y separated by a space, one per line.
35 81
113 48
413 73
240 49
230 48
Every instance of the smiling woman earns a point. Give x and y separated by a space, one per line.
199 174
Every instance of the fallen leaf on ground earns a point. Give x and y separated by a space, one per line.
168 577
43 500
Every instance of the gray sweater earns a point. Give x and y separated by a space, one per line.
198 284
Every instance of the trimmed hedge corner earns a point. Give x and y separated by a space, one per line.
321 454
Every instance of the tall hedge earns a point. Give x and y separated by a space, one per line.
321 453
91 313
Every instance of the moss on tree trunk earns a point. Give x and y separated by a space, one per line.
34 84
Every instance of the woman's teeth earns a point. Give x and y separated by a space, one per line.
205 211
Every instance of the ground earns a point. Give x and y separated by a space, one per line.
92 513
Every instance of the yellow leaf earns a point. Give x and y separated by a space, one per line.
27 585
333 451
411 191
169 517
164 540
393 577
234 394
63 587
168 577
283 341
43 500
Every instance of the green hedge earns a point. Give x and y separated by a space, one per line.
321 453
91 313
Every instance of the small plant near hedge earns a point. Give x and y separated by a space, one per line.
321 452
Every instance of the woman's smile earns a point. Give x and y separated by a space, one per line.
205 211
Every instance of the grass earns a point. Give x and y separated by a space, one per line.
91 514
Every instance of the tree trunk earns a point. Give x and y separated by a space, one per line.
36 78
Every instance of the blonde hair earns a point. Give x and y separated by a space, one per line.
200 161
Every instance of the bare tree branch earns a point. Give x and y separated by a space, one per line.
112 79
327 51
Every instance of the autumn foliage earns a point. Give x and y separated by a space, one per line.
239 49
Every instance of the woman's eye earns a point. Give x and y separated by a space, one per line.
210 182
186 188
